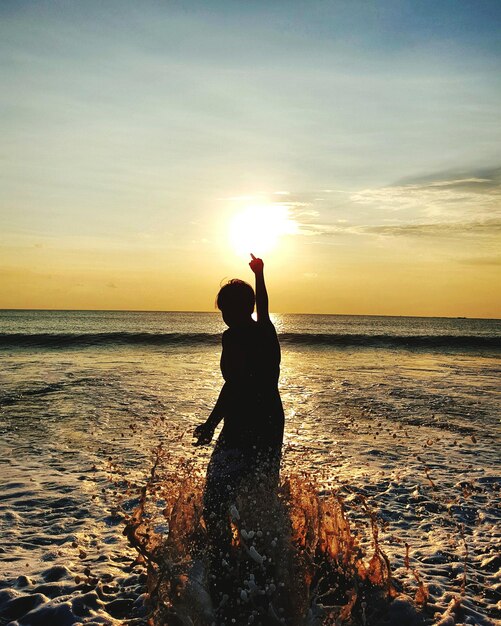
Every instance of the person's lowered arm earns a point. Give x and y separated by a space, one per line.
205 432
257 266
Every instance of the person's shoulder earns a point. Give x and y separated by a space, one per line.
264 321
266 325
230 336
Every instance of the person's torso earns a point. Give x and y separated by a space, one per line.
250 364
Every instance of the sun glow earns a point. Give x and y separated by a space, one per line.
258 228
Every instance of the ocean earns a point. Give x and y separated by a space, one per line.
402 412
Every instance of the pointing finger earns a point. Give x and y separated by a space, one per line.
253 257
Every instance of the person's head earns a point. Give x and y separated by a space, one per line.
236 301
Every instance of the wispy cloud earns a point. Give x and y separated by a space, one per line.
442 197
442 205
483 228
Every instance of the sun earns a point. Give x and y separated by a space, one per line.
258 228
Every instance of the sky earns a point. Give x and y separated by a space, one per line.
361 137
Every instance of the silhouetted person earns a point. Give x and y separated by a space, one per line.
249 446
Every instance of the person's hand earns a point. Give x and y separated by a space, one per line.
256 265
204 434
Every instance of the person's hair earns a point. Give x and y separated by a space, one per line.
236 296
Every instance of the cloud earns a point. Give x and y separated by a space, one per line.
446 205
326 229
482 228
438 195
487 176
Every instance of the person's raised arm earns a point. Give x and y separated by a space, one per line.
257 266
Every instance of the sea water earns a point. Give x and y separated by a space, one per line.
402 412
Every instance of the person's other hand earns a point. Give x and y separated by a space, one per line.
256 265
204 434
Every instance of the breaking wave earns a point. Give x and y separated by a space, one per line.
82 340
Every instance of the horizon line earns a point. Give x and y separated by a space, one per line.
452 317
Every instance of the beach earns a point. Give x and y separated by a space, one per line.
400 411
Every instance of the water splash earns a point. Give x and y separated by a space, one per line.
292 558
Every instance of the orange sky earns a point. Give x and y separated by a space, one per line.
368 140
